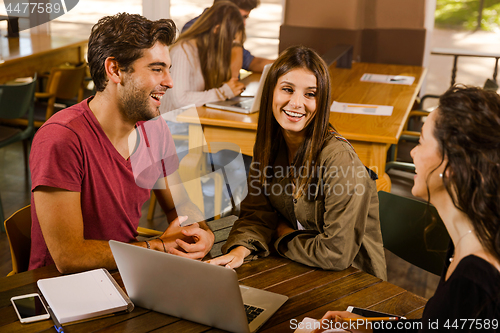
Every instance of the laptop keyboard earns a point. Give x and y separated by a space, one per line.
246 104
252 312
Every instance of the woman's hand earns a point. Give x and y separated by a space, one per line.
236 86
233 259
331 317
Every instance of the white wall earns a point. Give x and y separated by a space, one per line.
156 9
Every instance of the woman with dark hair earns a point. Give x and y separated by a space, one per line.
308 191
203 59
458 165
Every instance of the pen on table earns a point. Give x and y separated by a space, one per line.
57 325
371 319
363 106
394 80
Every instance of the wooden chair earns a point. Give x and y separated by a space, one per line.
63 84
413 231
18 229
16 101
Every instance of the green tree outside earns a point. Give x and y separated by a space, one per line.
463 14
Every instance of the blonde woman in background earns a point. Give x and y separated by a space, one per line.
204 66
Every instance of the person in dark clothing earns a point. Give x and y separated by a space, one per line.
457 164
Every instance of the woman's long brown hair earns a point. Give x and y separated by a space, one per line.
214 32
467 129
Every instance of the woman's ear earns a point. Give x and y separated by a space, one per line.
448 173
112 70
216 29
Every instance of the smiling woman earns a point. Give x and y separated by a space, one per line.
323 211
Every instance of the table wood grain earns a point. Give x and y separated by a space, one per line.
311 293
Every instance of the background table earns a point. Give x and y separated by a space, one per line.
12 25
37 53
371 136
311 293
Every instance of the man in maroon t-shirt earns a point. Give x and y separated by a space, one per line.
88 187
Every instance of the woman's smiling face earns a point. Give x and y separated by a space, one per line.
294 100
428 160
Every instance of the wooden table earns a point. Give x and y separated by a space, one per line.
370 135
311 293
37 53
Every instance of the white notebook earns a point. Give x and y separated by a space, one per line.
84 295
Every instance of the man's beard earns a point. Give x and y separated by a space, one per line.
135 105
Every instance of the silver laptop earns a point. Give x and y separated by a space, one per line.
192 290
243 104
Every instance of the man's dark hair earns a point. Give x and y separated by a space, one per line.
124 37
247 5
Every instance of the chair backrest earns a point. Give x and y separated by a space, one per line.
69 83
413 231
17 99
18 229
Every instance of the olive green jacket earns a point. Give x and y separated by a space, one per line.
339 213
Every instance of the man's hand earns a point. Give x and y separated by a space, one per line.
174 231
190 242
233 259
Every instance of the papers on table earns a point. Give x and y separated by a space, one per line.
391 79
366 109
20 80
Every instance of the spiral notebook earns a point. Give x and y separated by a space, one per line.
84 295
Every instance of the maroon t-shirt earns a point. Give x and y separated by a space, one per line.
72 152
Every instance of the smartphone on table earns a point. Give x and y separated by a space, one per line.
369 313
29 308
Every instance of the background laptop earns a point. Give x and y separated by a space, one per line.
192 290
243 104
